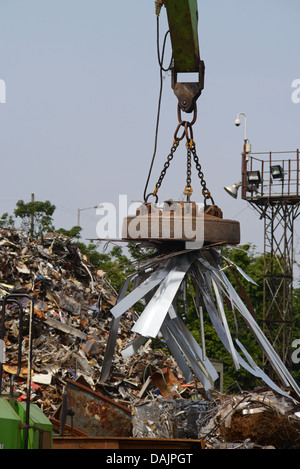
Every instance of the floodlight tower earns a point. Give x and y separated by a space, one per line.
270 184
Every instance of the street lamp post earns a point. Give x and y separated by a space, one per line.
80 210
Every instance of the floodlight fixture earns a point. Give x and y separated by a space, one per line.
277 172
233 189
253 177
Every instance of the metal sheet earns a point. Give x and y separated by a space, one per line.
133 347
202 333
150 321
151 282
97 415
177 354
241 271
220 331
254 370
225 325
199 371
195 348
169 418
274 359
199 311
109 351
113 334
264 343
258 371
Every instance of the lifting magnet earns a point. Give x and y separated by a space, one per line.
180 221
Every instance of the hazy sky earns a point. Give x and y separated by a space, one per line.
82 83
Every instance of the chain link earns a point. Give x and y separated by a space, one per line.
188 188
166 165
191 150
205 192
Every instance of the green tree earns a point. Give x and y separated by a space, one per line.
73 233
36 217
7 221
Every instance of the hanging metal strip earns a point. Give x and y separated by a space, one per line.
231 293
249 279
259 371
255 370
177 354
273 357
184 346
113 334
202 333
151 282
199 311
214 317
195 347
110 350
264 343
206 264
133 347
225 324
150 321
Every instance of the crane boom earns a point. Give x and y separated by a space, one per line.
183 25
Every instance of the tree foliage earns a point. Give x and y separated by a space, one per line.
7 221
36 216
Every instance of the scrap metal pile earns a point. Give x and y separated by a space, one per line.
72 303
75 340
247 420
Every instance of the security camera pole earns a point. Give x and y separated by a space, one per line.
244 154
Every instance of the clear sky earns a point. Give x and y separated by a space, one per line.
82 83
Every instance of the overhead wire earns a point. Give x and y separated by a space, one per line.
161 70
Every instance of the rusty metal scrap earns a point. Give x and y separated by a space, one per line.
95 414
169 418
70 328
252 420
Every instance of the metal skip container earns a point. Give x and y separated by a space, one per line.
95 414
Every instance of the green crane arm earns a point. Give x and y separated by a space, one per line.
183 25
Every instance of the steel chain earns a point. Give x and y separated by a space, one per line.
166 166
191 150
205 192
188 188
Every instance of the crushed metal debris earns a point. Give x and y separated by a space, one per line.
253 420
72 324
